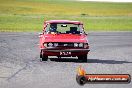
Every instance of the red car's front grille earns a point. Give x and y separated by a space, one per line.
66 44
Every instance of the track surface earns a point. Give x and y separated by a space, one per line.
111 52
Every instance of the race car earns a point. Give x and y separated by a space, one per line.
63 38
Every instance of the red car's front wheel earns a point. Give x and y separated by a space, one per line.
43 57
83 58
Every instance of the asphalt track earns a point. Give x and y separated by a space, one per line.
111 52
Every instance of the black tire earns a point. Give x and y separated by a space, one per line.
40 55
83 58
44 58
81 80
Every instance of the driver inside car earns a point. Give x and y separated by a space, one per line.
53 28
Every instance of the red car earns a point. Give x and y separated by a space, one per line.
63 38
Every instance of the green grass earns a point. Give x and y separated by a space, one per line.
29 15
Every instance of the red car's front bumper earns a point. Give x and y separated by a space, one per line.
64 52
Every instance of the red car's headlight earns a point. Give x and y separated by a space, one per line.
78 44
50 44
45 44
55 44
75 44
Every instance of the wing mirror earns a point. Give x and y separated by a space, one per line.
40 33
86 34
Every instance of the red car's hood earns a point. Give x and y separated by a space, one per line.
65 38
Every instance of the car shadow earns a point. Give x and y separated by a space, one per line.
89 61
107 61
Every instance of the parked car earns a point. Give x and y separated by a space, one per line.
63 38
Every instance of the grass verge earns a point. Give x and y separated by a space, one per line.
28 15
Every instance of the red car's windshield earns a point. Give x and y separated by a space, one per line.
64 28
